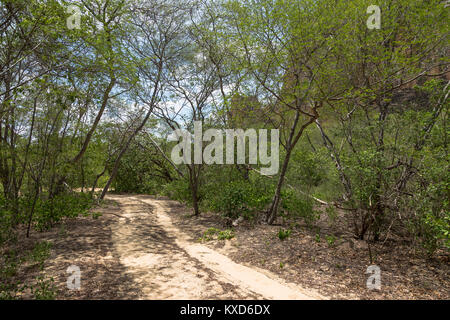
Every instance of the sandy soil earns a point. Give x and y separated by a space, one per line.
134 251
308 259
144 247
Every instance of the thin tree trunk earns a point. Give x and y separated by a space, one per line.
292 142
96 121
273 211
133 135
94 185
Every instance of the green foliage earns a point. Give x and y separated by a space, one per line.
40 253
44 289
225 234
331 213
364 171
12 262
50 211
382 151
209 234
9 264
330 240
96 215
313 172
178 190
284 234
317 238
213 233
232 200
238 198
307 168
402 179
294 205
431 225
6 222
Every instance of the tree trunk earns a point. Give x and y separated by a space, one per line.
105 99
273 211
291 143
193 184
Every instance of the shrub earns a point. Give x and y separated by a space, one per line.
239 198
294 206
178 190
211 233
50 211
225 235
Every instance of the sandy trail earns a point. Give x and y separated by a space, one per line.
165 263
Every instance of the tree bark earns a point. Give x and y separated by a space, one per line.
105 99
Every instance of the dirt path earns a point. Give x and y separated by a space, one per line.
138 247
165 263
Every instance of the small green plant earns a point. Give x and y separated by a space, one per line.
211 233
339 266
330 240
9 291
284 234
281 265
44 289
208 234
9 264
40 253
225 235
317 237
96 215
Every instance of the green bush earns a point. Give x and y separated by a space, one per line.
232 200
239 198
307 168
178 190
431 224
284 234
50 211
211 233
225 234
